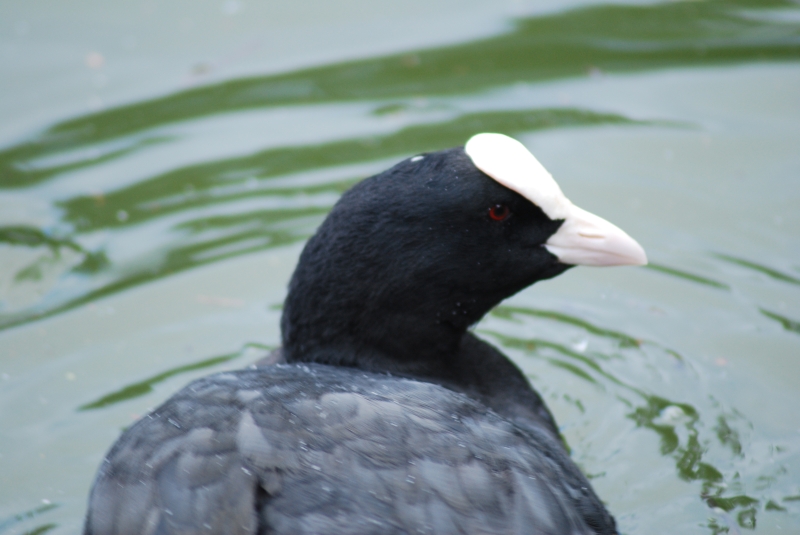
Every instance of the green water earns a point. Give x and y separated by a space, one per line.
162 163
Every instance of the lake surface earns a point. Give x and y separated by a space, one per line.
162 164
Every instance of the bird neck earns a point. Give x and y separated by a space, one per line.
452 358
414 343
353 318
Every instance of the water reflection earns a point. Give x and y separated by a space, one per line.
680 426
143 387
27 515
758 268
687 276
789 325
40 530
574 43
173 218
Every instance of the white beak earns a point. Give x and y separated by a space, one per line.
588 240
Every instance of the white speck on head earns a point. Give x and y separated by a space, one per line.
417 158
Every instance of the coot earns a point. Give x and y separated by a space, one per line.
384 414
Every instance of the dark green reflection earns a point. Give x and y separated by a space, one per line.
760 268
731 503
772 505
624 339
689 455
93 261
144 387
33 237
230 179
789 325
646 416
535 344
33 171
573 43
27 515
728 436
687 276
669 419
578 366
229 236
41 529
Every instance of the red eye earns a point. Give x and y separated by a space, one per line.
499 212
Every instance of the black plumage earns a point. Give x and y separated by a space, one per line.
384 413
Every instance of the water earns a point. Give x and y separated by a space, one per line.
162 165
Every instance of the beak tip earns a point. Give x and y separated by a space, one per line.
632 254
640 258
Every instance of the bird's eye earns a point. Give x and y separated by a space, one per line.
499 212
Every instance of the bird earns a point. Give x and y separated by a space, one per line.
383 412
